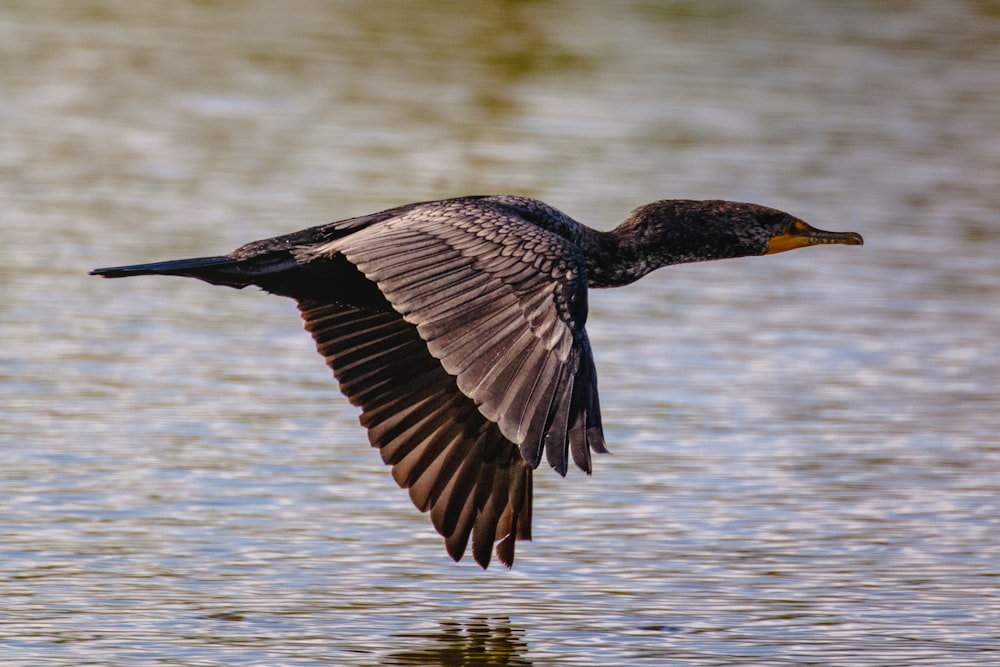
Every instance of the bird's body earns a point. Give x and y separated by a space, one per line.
457 326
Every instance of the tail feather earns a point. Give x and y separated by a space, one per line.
178 267
219 270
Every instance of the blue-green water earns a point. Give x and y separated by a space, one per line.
806 458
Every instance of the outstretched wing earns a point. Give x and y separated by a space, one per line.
455 462
502 304
458 328
470 363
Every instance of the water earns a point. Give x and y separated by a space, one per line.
805 464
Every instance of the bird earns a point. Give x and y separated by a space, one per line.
458 328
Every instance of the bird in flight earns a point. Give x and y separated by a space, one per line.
457 326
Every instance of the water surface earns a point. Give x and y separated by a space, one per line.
805 462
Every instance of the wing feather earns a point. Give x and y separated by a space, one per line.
472 293
451 458
481 365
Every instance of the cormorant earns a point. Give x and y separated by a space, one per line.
457 326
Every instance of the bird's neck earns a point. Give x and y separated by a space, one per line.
625 254
656 235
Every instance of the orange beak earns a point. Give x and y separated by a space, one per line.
800 235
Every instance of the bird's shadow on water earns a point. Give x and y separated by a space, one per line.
474 642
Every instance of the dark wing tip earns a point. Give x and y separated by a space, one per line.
456 464
505 551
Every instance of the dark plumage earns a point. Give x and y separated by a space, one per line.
458 328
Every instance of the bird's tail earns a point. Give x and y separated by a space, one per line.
221 270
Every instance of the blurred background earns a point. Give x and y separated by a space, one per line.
806 460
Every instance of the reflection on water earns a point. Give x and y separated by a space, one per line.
805 462
482 642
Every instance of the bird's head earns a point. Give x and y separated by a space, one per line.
689 230
788 233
